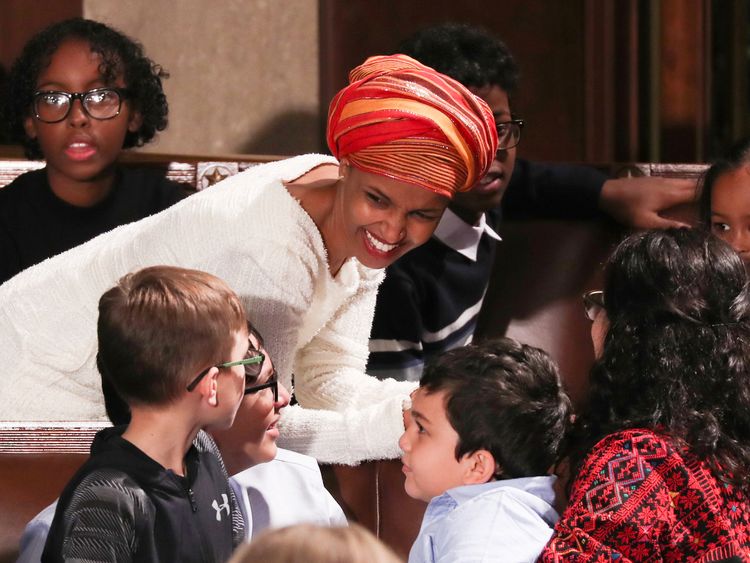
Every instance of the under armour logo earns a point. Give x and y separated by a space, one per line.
220 507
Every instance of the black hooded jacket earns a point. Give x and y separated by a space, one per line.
124 506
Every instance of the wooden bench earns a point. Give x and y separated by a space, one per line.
196 172
542 268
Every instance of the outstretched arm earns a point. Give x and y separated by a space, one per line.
568 191
640 202
344 415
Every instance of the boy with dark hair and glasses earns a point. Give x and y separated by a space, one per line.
431 298
79 93
484 432
175 345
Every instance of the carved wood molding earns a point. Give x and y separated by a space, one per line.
48 437
198 172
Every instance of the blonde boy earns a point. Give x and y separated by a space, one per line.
174 345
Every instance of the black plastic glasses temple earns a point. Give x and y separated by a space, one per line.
254 360
273 384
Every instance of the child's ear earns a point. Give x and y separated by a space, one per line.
135 121
29 126
209 386
479 467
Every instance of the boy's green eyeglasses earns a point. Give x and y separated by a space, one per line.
253 363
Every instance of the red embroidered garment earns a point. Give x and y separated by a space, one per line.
638 498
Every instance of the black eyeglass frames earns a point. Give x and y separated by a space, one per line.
52 106
593 303
509 133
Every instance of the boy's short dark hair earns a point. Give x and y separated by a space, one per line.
504 397
120 55
470 54
160 326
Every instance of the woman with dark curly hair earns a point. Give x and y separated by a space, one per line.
661 455
79 93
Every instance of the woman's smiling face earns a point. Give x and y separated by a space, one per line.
380 219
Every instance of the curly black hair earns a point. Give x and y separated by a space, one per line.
120 55
504 397
676 356
737 157
470 54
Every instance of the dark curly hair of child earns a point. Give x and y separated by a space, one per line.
120 55
676 354
470 54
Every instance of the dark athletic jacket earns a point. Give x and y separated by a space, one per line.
124 506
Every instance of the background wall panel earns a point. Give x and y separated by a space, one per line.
244 73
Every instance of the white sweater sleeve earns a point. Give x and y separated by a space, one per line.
344 415
48 313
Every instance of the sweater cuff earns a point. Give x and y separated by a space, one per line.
347 437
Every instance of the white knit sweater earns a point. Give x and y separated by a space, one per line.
250 232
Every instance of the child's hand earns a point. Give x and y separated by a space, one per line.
639 202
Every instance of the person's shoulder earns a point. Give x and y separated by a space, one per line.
432 252
634 441
289 465
112 489
17 189
651 452
511 491
297 460
421 262
153 182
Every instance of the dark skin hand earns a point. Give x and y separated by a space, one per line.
639 202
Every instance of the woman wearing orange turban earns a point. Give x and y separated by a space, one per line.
303 242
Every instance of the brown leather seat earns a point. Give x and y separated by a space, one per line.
28 483
534 295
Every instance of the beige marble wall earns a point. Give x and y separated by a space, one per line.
243 73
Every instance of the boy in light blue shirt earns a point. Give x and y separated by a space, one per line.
485 427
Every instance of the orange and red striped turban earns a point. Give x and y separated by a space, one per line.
401 119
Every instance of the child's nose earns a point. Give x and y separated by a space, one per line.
403 442
740 241
77 115
284 397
